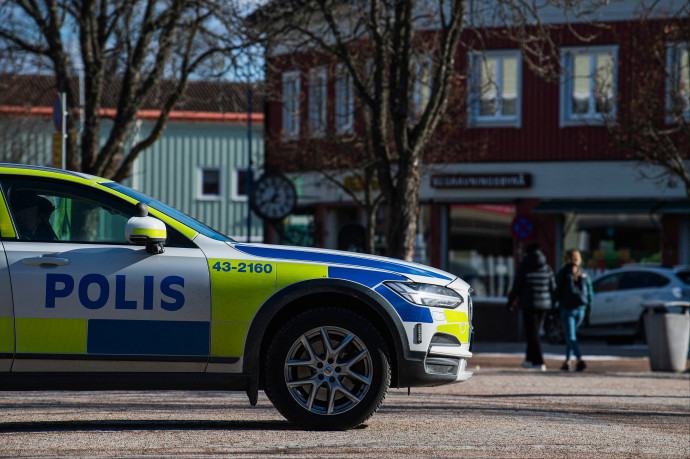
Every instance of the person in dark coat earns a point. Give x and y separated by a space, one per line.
533 287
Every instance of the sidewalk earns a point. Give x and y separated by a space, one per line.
599 356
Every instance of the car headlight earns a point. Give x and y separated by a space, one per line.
427 294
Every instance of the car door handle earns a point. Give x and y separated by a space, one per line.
44 260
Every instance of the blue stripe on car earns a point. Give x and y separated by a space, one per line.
147 337
318 257
408 312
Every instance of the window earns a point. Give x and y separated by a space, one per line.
291 95
56 212
317 101
423 80
344 102
607 284
239 188
678 83
210 183
495 89
588 85
641 279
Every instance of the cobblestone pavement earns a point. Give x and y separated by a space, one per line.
617 408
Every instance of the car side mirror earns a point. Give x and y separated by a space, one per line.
144 230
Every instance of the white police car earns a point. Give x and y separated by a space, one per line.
92 298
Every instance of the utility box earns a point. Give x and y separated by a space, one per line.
667 329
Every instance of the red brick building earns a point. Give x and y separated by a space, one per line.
526 147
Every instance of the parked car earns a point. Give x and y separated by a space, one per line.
103 287
619 296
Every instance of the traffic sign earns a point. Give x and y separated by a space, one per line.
522 227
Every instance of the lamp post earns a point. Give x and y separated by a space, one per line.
249 161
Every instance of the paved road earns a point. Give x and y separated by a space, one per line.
618 408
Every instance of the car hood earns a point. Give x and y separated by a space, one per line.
413 271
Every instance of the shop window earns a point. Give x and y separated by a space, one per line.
678 81
588 85
481 247
494 98
611 241
291 99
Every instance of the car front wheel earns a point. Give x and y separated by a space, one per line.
327 369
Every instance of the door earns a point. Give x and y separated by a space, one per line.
86 300
6 314
606 291
638 287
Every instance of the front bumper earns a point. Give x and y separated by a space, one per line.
442 364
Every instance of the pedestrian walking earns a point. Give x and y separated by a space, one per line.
533 287
574 296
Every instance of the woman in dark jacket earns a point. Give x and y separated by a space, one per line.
574 295
533 287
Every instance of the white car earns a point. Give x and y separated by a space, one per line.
105 288
619 298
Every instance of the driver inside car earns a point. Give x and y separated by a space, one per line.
31 226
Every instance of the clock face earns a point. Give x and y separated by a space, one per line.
273 197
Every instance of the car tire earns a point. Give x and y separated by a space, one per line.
327 369
553 328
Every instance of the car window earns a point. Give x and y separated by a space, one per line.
169 211
656 280
608 283
642 279
684 276
50 211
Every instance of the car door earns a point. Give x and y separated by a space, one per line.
86 300
606 290
6 313
638 287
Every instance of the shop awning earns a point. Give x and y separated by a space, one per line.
613 206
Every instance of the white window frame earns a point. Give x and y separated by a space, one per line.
200 184
318 101
567 117
476 61
291 105
672 78
344 101
235 183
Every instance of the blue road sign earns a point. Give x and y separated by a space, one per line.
522 227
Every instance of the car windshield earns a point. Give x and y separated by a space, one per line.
169 211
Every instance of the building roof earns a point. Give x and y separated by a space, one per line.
210 97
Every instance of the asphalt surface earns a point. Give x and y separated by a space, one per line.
616 408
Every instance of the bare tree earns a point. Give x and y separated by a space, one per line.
400 55
132 50
652 124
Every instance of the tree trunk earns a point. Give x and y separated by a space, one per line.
403 216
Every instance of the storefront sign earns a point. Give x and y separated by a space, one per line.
522 180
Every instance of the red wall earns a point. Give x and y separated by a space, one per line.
539 139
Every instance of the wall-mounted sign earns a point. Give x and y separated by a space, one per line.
522 180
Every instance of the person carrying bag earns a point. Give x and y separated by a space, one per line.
574 296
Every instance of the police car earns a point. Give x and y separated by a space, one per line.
106 288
